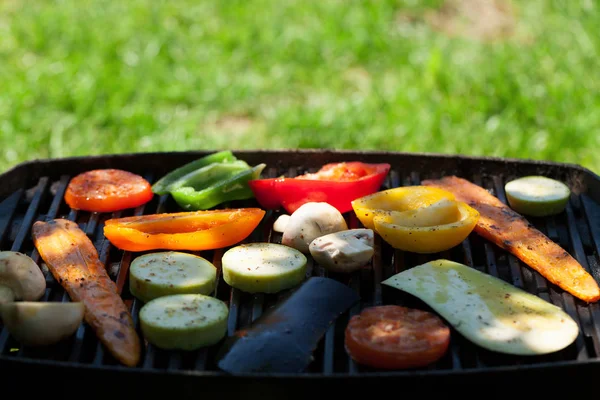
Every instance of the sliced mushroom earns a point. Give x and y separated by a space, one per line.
281 222
310 221
344 251
20 278
40 324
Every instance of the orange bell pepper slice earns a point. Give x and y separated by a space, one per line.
195 230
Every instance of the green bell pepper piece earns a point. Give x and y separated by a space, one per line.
161 186
235 187
209 175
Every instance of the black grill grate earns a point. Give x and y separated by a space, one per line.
40 197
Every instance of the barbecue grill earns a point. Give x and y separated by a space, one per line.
34 191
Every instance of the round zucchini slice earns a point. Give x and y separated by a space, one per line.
160 274
184 321
263 267
537 196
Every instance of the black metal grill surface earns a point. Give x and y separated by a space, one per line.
34 191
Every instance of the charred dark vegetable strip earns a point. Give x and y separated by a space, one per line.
284 337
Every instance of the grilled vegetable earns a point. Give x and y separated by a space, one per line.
107 190
194 230
74 263
418 219
310 221
263 267
344 251
209 175
184 321
426 239
229 186
163 185
396 199
41 323
209 181
488 311
281 222
20 278
335 183
537 196
395 337
161 274
511 231
285 336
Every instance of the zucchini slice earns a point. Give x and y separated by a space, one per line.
537 196
263 267
184 321
160 274
488 311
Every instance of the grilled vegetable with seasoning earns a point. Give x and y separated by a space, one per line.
20 278
285 336
488 311
281 222
73 261
395 337
344 251
193 230
164 184
537 196
310 221
417 219
184 321
263 267
209 181
160 274
227 187
34 323
334 183
512 232
107 190
396 199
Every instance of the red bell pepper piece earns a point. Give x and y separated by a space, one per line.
335 183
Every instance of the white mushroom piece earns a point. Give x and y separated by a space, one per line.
281 222
20 278
34 323
310 221
344 251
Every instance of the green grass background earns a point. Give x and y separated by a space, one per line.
86 77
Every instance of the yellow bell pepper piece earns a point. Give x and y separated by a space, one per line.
397 199
443 212
416 218
426 239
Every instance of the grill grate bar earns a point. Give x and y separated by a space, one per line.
23 232
591 214
90 227
234 304
577 251
354 284
29 218
8 207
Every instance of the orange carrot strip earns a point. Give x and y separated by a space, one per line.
73 260
509 230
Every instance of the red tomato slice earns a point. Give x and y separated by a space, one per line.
395 337
107 190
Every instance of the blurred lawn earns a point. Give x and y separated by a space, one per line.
90 77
